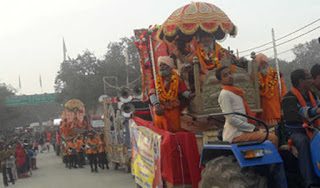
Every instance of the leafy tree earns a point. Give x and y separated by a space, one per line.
6 113
307 55
77 79
82 78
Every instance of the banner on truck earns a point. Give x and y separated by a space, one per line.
146 162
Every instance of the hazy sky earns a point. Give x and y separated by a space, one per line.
31 31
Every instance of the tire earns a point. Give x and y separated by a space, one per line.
225 172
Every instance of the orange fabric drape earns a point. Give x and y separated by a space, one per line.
303 103
239 92
170 121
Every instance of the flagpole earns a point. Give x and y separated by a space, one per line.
64 50
40 81
19 82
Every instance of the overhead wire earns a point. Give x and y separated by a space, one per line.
287 40
282 36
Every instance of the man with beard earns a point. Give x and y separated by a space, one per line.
164 96
209 53
270 94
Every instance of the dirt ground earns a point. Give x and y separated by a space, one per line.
53 174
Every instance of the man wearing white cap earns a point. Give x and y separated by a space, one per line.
168 87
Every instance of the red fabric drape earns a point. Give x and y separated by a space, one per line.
178 166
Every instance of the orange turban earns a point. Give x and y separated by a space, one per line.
261 57
166 60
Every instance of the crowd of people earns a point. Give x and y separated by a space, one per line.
17 158
76 149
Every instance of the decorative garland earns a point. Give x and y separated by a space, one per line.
268 84
143 76
173 90
203 55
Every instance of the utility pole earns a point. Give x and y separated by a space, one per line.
276 59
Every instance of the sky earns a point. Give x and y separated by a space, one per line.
31 31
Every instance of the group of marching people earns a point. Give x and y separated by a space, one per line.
17 159
91 146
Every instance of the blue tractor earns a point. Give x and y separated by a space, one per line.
252 164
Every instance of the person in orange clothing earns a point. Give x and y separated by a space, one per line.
164 95
270 94
208 51
71 146
80 151
65 154
91 145
65 129
102 152
76 123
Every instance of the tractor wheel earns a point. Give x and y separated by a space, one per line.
225 172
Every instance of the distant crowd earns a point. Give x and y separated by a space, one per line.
18 155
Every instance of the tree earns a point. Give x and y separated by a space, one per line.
82 78
76 79
6 113
307 55
114 65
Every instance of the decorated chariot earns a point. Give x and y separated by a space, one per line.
181 37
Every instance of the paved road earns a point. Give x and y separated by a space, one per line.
53 174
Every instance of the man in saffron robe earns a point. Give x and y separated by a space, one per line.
270 94
164 96
209 53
